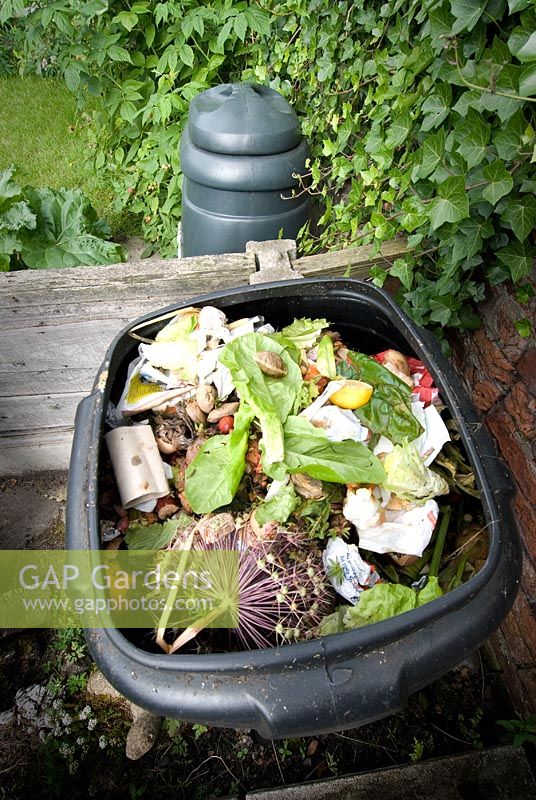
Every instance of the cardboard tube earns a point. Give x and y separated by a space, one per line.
137 464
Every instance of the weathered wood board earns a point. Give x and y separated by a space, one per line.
56 326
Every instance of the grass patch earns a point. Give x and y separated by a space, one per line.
45 136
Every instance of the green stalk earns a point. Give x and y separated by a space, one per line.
168 608
440 543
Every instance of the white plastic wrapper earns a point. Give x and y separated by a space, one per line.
347 572
311 411
340 424
382 530
213 322
435 433
430 442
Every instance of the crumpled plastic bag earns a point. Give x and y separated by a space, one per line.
382 530
347 572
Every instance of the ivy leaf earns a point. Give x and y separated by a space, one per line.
399 130
466 14
403 271
467 241
500 182
528 51
520 216
523 327
451 203
508 139
443 308
518 5
431 154
527 81
517 257
436 107
474 138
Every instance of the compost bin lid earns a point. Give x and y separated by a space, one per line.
243 119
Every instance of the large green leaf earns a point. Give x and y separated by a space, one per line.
527 81
307 449
388 411
451 203
214 475
518 258
500 182
67 232
473 136
466 14
508 138
272 399
436 107
431 154
520 216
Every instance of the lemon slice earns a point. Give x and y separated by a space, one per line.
352 395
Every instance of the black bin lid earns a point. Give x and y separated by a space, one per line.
243 119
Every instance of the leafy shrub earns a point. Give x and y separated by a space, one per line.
46 228
420 118
146 61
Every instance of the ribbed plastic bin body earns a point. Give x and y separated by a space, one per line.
241 154
338 681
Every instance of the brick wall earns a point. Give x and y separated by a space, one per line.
499 370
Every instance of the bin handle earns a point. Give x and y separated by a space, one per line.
84 450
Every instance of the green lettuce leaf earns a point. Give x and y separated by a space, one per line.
279 508
307 449
215 473
304 332
325 360
271 399
388 411
156 536
409 478
383 601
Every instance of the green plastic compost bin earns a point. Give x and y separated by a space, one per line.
241 156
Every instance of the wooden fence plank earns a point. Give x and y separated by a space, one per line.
358 259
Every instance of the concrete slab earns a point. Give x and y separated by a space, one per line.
500 773
32 511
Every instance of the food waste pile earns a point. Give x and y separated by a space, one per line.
337 476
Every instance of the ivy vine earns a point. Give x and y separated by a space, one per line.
420 117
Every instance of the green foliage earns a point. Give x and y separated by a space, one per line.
46 228
420 118
145 61
421 122
519 731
